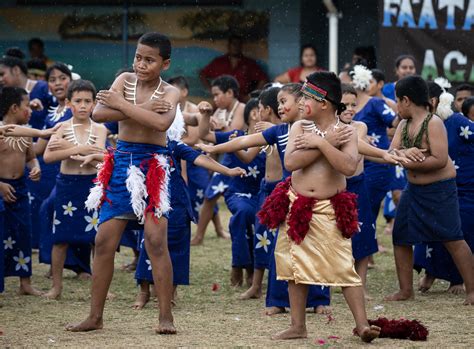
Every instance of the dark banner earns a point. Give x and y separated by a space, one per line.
439 33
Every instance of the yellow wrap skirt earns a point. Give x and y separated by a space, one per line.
324 257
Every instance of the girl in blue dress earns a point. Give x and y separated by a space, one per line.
405 65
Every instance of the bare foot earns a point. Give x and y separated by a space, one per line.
52 294
469 299
323 310
251 293
368 334
197 240
28 290
456 289
400 296
291 333
86 325
382 249
425 283
367 297
110 296
274 311
141 301
222 234
83 276
166 327
236 277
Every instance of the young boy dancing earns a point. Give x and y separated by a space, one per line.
429 207
123 191
71 223
316 214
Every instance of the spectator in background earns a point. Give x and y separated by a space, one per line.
461 93
36 69
14 52
245 70
308 65
364 55
405 65
468 108
36 49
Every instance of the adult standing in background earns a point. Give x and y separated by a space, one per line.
308 65
245 70
36 49
405 65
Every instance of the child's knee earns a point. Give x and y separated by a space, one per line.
103 245
155 243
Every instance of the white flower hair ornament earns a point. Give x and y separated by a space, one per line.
361 77
446 99
75 76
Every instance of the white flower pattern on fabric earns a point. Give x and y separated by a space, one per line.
399 172
200 193
376 138
253 171
30 198
93 221
465 132
387 110
55 222
197 207
428 251
220 187
22 261
69 209
8 243
456 167
263 241
148 262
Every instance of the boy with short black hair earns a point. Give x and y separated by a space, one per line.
16 153
123 192
71 223
461 93
315 213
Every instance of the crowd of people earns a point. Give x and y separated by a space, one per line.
304 167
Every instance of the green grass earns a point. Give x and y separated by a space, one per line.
217 319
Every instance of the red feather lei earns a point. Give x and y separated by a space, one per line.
276 206
155 180
300 217
400 329
104 175
347 217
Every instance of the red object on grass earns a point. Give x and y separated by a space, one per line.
215 287
400 329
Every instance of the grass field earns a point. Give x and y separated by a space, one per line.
207 318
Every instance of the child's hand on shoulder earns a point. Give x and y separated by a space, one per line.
262 126
207 148
111 99
7 192
58 144
236 171
308 141
205 108
36 104
339 136
50 131
35 174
